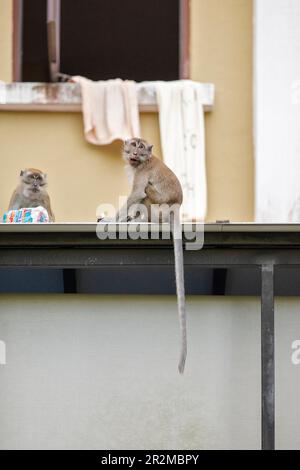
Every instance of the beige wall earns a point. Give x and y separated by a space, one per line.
81 176
221 51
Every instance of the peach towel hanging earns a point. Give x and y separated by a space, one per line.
110 110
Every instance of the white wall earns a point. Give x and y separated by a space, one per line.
277 110
101 372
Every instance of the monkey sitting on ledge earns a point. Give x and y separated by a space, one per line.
31 192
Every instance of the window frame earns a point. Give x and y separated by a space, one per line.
183 50
17 40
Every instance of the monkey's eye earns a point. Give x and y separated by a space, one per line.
133 144
142 146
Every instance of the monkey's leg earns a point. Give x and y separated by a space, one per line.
134 200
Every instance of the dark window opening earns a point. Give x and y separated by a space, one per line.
103 39
34 64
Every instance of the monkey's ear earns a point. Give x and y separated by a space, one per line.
150 147
21 172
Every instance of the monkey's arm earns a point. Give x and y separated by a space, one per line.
136 196
47 205
14 202
51 215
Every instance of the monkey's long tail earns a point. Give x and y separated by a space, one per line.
179 272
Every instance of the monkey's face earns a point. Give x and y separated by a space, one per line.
136 151
34 182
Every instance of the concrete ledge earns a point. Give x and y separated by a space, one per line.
66 97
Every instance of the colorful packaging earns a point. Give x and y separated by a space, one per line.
27 215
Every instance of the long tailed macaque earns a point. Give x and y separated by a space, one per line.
32 192
156 188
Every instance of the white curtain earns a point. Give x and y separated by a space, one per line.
181 118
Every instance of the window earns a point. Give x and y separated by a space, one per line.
102 39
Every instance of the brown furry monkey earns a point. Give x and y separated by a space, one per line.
155 184
31 192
